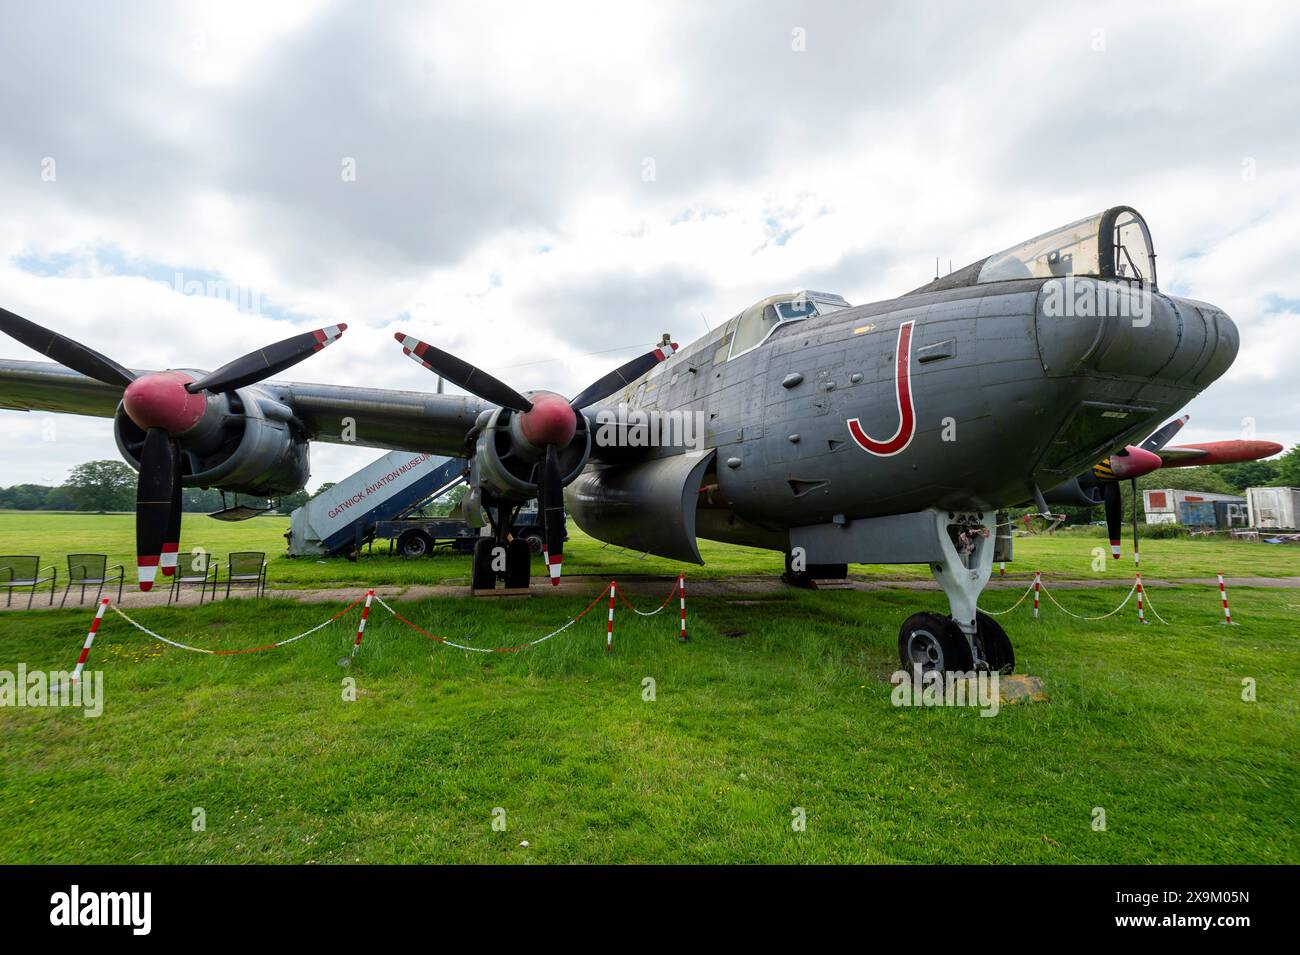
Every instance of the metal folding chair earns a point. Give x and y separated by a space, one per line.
24 570
246 569
91 570
203 575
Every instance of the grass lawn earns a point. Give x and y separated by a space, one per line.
774 705
54 535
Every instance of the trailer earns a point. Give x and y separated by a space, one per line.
1169 505
341 519
1274 508
414 535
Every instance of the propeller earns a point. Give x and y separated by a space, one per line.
165 405
547 420
1131 463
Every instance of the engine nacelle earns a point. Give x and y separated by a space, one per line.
246 442
505 460
649 506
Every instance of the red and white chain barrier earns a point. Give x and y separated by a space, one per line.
515 649
90 638
1223 594
222 653
609 631
361 627
681 589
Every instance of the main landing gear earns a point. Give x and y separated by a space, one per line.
967 639
499 556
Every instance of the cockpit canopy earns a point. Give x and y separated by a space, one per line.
1114 244
756 323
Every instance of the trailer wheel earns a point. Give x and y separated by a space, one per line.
414 544
535 541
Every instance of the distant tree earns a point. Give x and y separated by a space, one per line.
291 502
60 499
323 488
198 500
1248 474
102 486
449 503
1288 469
24 497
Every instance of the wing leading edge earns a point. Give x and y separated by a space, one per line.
336 414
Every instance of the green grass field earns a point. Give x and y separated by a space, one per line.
774 705
54 535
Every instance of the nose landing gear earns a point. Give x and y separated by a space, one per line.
968 639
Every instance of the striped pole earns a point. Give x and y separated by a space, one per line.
1038 584
90 638
609 627
361 627
1142 616
1002 568
1223 594
681 589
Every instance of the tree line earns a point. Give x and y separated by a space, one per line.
100 486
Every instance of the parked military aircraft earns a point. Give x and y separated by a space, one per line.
894 432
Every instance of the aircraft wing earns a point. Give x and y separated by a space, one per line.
381 418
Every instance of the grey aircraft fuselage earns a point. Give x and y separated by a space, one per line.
1006 398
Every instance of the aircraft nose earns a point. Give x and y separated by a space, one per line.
1115 330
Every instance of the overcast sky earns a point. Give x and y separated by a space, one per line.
541 181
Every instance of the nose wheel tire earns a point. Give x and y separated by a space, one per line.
931 641
995 644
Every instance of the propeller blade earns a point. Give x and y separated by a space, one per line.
620 377
1161 437
551 492
265 362
1114 503
172 541
65 351
153 501
474 380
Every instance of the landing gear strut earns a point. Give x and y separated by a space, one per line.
966 639
499 556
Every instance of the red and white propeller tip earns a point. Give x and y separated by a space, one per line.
413 348
329 334
554 565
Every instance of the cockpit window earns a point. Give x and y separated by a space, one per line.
789 311
1113 244
1069 250
755 324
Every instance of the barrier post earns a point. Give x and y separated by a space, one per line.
1038 584
361 627
90 638
1223 594
609 627
1142 616
681 590
1002 568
